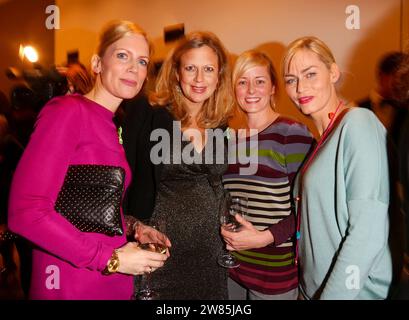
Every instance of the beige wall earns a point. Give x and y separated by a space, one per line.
269 24
23 21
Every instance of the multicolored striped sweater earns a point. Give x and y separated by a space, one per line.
282 147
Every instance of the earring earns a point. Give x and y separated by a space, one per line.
273 104
178 90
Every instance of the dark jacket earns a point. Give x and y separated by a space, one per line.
398 119
404 164
139 121
10 153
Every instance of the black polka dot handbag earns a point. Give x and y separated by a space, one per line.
90 198
7 235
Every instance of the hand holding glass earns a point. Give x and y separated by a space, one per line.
230 206
145 291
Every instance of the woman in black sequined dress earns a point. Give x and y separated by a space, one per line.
180 181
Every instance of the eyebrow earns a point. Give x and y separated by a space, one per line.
130 52
194 64
302 71
258 77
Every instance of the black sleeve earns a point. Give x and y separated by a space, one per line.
137 126
10 153
404 163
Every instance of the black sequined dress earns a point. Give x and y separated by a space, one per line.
188 199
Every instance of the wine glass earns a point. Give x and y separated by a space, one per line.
230 206
145 291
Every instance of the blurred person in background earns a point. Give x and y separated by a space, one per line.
10 152
401 94
79 79
381 101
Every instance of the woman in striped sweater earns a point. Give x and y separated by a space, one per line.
264 243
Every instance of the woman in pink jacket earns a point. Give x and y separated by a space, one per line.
77 130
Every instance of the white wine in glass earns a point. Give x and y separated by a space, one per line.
230 206
145 292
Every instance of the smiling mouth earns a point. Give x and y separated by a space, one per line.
252 100
130 83
198 89
305 100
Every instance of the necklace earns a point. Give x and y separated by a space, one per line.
332 117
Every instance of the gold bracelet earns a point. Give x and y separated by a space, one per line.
113 264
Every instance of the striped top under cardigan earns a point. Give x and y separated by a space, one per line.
282 147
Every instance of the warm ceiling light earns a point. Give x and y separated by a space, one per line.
30 53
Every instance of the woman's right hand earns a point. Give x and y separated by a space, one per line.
134 260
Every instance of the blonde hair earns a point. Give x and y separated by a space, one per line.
309 43
215 110
115 30
251 59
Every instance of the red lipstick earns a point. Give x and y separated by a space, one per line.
305 100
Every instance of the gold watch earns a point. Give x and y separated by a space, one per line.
113 264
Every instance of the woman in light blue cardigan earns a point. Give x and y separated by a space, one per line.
342 191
